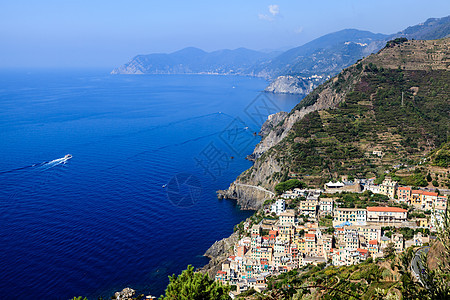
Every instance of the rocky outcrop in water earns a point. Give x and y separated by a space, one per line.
125 294
248 197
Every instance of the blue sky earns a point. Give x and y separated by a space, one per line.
99 33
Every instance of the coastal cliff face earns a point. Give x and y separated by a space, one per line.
248 196
218 253
271 122
266 163
295 84
325 98
279 154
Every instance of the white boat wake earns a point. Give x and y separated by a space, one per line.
56 162
43 165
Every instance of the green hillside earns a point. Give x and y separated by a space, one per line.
403 113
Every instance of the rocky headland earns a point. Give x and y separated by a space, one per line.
256 184
295 84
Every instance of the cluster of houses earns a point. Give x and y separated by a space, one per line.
419 199
295 238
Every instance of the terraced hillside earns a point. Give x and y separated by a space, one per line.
395 101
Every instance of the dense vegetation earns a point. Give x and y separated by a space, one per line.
396 41
353 282
289 185
441 157
357 200
402 113
193 285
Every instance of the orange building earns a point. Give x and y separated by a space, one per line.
404 193
241 250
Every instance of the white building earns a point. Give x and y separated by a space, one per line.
278 207
352 215
386 215
287 218
334 185
326 206
374 188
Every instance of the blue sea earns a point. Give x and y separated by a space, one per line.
136 202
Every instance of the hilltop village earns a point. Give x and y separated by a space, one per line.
345 223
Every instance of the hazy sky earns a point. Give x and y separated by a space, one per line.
100 33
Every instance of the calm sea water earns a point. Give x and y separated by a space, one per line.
137 201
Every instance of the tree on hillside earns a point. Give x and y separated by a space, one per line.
289 185
437 280
190 285
389 251
409 288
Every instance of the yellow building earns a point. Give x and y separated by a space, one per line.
422 222
388 187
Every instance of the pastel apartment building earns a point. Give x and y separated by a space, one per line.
352 215
404 193
416 198
428 200
308 207
388 187
326 206
386 215
278 207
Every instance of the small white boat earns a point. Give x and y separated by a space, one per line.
68 156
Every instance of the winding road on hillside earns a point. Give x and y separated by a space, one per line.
256 187
416 263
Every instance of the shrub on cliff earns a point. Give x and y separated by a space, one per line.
190 285
289 185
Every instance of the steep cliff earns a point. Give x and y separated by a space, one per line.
295 84
395 101
329 54
218 253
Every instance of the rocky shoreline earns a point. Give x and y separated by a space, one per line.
247 189
218 253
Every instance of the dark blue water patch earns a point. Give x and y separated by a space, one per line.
105 220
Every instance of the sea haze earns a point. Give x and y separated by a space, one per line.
103 221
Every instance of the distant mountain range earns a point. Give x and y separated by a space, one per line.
196 61
298 70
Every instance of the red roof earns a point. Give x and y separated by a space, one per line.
232 257
404 188
310 235
430 194
387 209
417 192
340 229
364 251
373 242
221 272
